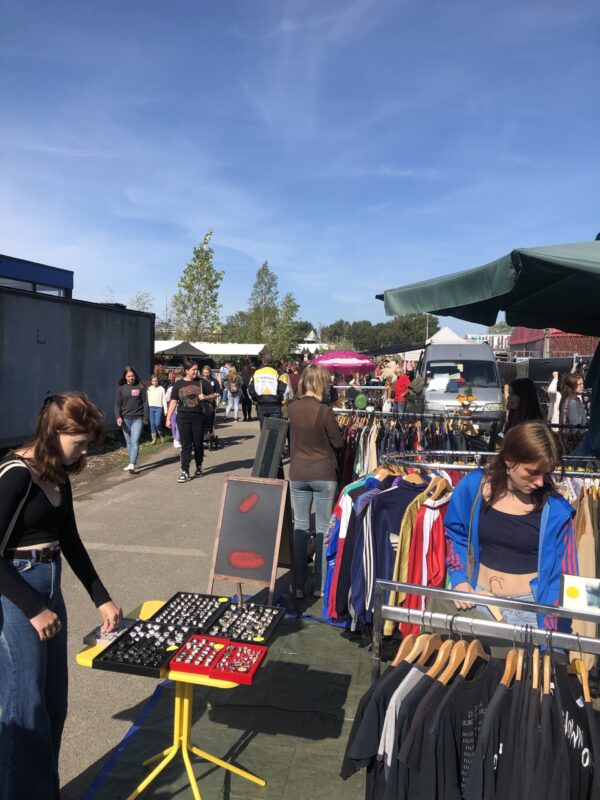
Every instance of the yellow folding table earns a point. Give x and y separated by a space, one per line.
182 716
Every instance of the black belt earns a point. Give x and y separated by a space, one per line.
43 555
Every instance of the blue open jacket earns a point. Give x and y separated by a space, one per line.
557 549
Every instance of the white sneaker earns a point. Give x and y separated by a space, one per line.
177 445
127 468
131 469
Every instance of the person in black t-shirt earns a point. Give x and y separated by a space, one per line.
37 526
193 398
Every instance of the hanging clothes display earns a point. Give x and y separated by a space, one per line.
448 721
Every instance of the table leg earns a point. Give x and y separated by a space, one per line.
169 754
182 726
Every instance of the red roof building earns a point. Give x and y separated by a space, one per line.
530 342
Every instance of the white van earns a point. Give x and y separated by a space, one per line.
453 372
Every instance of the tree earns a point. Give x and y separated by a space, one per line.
408 329
285 340
500 327
236 328
142 301
196 303
263 308
340 329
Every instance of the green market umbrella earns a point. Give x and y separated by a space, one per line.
539 287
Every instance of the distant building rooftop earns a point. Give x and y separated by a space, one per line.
29 276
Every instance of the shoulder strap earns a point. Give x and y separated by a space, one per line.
470 554
15 516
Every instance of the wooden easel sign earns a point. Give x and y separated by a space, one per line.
249 532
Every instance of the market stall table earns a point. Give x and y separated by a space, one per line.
182 715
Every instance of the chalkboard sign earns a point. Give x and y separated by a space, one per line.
249 531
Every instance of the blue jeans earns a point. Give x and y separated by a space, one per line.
233 402
33 691
512 616
302 495
155 419
132 431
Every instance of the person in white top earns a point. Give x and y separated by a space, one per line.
554 400
157 403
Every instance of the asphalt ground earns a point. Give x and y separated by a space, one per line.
149 537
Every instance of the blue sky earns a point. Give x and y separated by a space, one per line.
358 145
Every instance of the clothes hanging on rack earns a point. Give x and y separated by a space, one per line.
469 732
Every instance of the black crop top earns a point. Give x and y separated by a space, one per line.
509 542
39 522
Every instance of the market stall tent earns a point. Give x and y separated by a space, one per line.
556 286
231 348
176 347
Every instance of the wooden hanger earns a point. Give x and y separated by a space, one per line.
441 658
431 647
457 656
406 646
474 651
582 674
535 668
416 649
510 669
547 672
441 487
413 477
520 663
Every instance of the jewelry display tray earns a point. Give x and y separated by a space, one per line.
266 635
213 671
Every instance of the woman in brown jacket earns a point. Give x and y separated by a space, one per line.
315 437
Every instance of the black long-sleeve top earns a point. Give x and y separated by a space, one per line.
131 400
39 522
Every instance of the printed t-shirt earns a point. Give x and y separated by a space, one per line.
490 750
187 394
576 731
442 752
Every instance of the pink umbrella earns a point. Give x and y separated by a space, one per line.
345 362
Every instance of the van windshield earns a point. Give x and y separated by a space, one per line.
452 376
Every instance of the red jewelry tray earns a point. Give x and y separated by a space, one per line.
213 671
239 677
196 669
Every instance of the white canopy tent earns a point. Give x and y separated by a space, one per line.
230 348
443 336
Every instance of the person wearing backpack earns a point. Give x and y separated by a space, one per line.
234 393
267 389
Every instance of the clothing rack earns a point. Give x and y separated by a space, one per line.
418 459
402 415
458 623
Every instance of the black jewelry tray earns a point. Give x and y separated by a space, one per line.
265 636
120 655
161 616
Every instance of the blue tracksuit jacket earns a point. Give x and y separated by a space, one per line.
557 550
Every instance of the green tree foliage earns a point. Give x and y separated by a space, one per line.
263 309
363 335
142 301
501 327
285 340
340 329
196 303
236 328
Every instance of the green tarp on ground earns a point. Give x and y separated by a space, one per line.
290 727
540 287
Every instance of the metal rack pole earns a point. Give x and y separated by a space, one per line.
411 460
469 625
